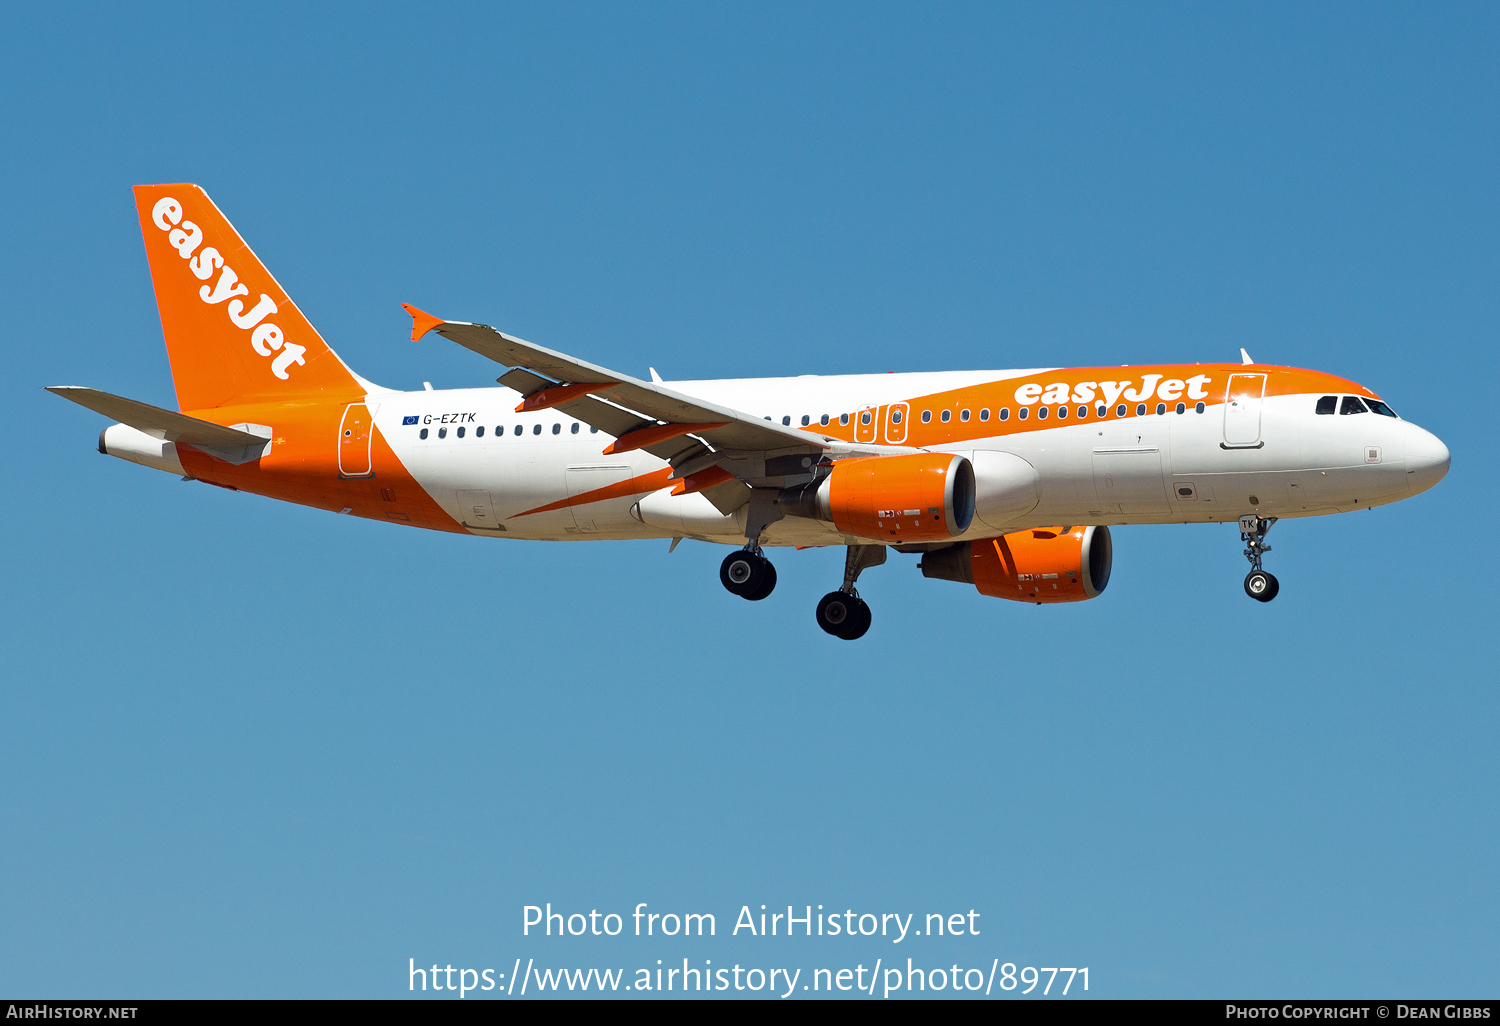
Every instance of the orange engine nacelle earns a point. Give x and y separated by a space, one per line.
915 498
1045 564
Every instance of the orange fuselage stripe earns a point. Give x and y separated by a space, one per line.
302 467
634 486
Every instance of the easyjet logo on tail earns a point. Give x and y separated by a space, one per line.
266 338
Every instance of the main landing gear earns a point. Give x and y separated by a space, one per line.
1259 585
843 613
748 574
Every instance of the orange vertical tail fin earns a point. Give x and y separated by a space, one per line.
233 334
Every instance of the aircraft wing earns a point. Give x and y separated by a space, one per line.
694 435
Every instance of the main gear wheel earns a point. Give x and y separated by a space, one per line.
844 615
748 574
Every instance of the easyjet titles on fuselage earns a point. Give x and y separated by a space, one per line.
1108 392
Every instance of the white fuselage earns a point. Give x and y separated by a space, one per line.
1171 468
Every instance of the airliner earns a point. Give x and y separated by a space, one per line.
1005 480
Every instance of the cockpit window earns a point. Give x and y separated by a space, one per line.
1381 408
1328 405
1352 404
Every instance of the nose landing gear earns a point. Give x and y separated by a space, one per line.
843 613
1259 585
748 574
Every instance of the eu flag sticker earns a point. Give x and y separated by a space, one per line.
408 420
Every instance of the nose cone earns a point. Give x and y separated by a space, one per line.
1426 459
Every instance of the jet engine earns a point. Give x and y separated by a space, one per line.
1045 564
922 497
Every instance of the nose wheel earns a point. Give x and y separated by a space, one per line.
1259 584
748 574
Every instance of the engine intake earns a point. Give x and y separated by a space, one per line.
919 497
1045 564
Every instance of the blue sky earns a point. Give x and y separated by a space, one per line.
257 750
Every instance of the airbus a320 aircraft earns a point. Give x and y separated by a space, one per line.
1005 480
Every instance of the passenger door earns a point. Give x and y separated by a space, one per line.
1242 403
354 442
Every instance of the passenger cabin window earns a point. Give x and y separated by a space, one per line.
786 421
1005 413
536 429
823 420
1041 413
557 429
926 416
423 434
442 432
1062 413
479 432
895 416
1120 410
1182 407
1083 411
1351 404
1328 405
519 429
806 420
1023 413
864 417
1381 408
1161 409
1200 407
1140 411
984 414
946 416
460 432
844 419
574 428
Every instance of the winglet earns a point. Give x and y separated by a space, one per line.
421 321
1245 357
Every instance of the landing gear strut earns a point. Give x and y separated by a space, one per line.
843 613
748 574
1259 585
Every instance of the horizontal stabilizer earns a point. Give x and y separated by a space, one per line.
227 443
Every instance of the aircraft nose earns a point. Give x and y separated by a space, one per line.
1426 459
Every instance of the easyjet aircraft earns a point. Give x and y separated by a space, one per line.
1005 480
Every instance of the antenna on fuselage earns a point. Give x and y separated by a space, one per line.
654 376
1245 357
